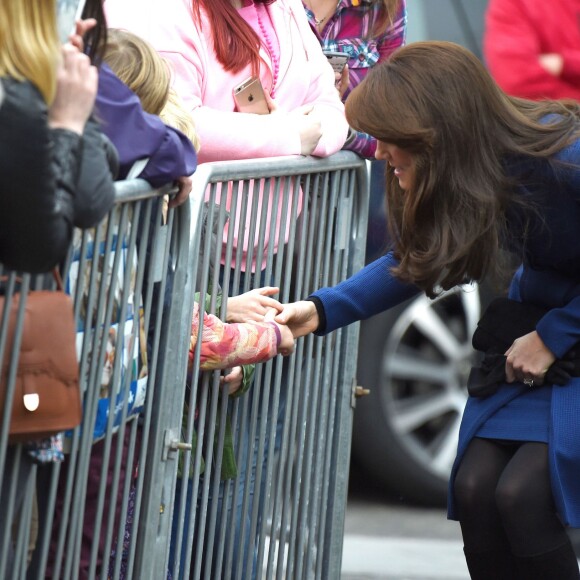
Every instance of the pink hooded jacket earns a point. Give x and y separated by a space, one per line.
304 78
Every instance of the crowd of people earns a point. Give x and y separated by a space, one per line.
475 178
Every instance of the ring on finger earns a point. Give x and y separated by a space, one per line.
529 382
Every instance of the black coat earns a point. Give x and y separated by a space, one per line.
51 180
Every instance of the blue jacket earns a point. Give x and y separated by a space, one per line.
549 276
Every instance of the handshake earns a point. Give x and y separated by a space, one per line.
293 320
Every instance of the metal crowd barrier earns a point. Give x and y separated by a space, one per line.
139 493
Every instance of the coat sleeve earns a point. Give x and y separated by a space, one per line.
95 192
370 291
559 329
228 135
38 174
322 92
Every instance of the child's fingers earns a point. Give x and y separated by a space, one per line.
270 314
268 290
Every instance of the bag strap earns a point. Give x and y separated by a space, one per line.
58 279
55 273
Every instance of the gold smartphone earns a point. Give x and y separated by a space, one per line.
250 98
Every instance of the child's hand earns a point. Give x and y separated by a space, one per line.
234 379
287 342
253 305
184 187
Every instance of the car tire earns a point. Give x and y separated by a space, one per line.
415 360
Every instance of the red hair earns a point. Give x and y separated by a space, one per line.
235 43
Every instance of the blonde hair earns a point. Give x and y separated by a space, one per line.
147 74
29 43
137 64
176 115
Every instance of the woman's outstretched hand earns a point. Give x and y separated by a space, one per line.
287 341
301 317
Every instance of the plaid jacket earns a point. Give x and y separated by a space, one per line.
349 30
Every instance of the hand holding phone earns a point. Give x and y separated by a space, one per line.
337 60
249 97
67 13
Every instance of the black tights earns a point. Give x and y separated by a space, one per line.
504 499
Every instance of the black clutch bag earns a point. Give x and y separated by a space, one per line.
503 321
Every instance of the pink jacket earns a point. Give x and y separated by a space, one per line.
304 78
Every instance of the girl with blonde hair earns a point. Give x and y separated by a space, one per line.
135 62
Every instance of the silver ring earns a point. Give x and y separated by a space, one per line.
529 382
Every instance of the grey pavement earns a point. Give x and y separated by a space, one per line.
389 539
383 542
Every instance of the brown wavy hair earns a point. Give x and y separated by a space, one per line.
437 101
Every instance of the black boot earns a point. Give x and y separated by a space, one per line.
560 564
492 565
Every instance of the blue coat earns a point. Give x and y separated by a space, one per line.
549 276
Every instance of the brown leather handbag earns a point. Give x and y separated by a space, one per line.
47 398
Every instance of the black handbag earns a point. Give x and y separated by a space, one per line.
503 321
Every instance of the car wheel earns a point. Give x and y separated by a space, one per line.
415 360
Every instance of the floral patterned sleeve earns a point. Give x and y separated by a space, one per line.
226 345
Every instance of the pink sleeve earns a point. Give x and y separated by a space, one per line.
228 135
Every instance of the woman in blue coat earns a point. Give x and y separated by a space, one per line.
473 176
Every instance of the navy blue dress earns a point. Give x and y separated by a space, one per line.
549 277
